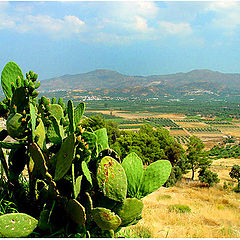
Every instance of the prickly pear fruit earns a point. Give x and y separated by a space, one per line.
105 219
15 225
76 212
14 126
155 175
129 210
112 179
64 157
10 74
90 139
133 168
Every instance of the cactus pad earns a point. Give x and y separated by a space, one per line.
133 168
155 175
102 139
105 219
40 133
70 109
54 131
19 99
15 225
56 111
43 222
129 210
86 172
14 126
76 212
64 157
11 145
112 179
38 158
76 183
78 113
9 75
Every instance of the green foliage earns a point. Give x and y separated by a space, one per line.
179 208
196 157
148 143
75 185
17 225
235 174
175 175
208 177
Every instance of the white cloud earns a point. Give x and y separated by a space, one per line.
6 22
227 15
44 24
141 24
175 28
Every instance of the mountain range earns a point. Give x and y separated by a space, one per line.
114 83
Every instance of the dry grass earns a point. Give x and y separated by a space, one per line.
214 211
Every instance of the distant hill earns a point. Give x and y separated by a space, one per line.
114 82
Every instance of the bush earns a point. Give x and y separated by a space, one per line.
235 174
176 175
179 208
208 177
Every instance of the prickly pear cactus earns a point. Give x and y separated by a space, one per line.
54 131
40 134
102 139
15 126
105 219
76 183
64 157
112 180
71 116
10 74
91 190
133 168
78 113
38 158
129 210
155 175
16 225
56 111
76 212
86 172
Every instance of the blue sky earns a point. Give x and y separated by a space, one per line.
135 38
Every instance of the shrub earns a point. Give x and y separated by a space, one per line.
179 208
208 177
235 174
